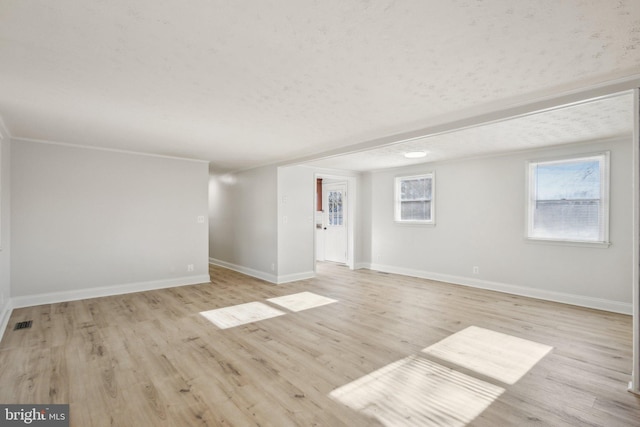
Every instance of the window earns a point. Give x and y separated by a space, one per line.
414 199
335 208
568 199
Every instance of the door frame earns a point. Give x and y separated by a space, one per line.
343 187
351 225
634 384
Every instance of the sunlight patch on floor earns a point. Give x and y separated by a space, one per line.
503 357
301 301
236 315
416 391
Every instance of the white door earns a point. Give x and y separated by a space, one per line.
335 222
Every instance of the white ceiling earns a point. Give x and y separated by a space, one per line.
247 83
600 119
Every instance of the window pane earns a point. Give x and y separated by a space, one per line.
415 189
566 200
568 180
414 198
335 208
416 211
567 219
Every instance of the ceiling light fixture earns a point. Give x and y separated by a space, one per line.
415 154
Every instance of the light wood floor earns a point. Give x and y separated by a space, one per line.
149 359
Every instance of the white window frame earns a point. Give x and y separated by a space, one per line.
397 201
603 159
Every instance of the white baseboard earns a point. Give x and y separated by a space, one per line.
54 297
362 265
5 314
272 278
579 300
296 276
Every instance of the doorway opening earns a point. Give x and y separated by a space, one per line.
334 219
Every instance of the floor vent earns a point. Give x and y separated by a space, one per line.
23 325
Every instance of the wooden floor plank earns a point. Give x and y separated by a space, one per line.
150 358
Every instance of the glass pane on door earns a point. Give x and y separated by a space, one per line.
335 208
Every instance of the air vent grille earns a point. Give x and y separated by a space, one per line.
23 325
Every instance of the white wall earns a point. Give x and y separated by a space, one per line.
243 222
296 202
248 232
87 222
363 222
296 197
5 230
480 221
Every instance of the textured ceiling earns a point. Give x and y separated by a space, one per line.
246 83
607 118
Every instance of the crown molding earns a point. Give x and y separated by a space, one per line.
112 150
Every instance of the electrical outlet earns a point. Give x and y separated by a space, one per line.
476 269
273 267
200 219
190 267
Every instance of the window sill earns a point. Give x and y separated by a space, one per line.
576 243
416 223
